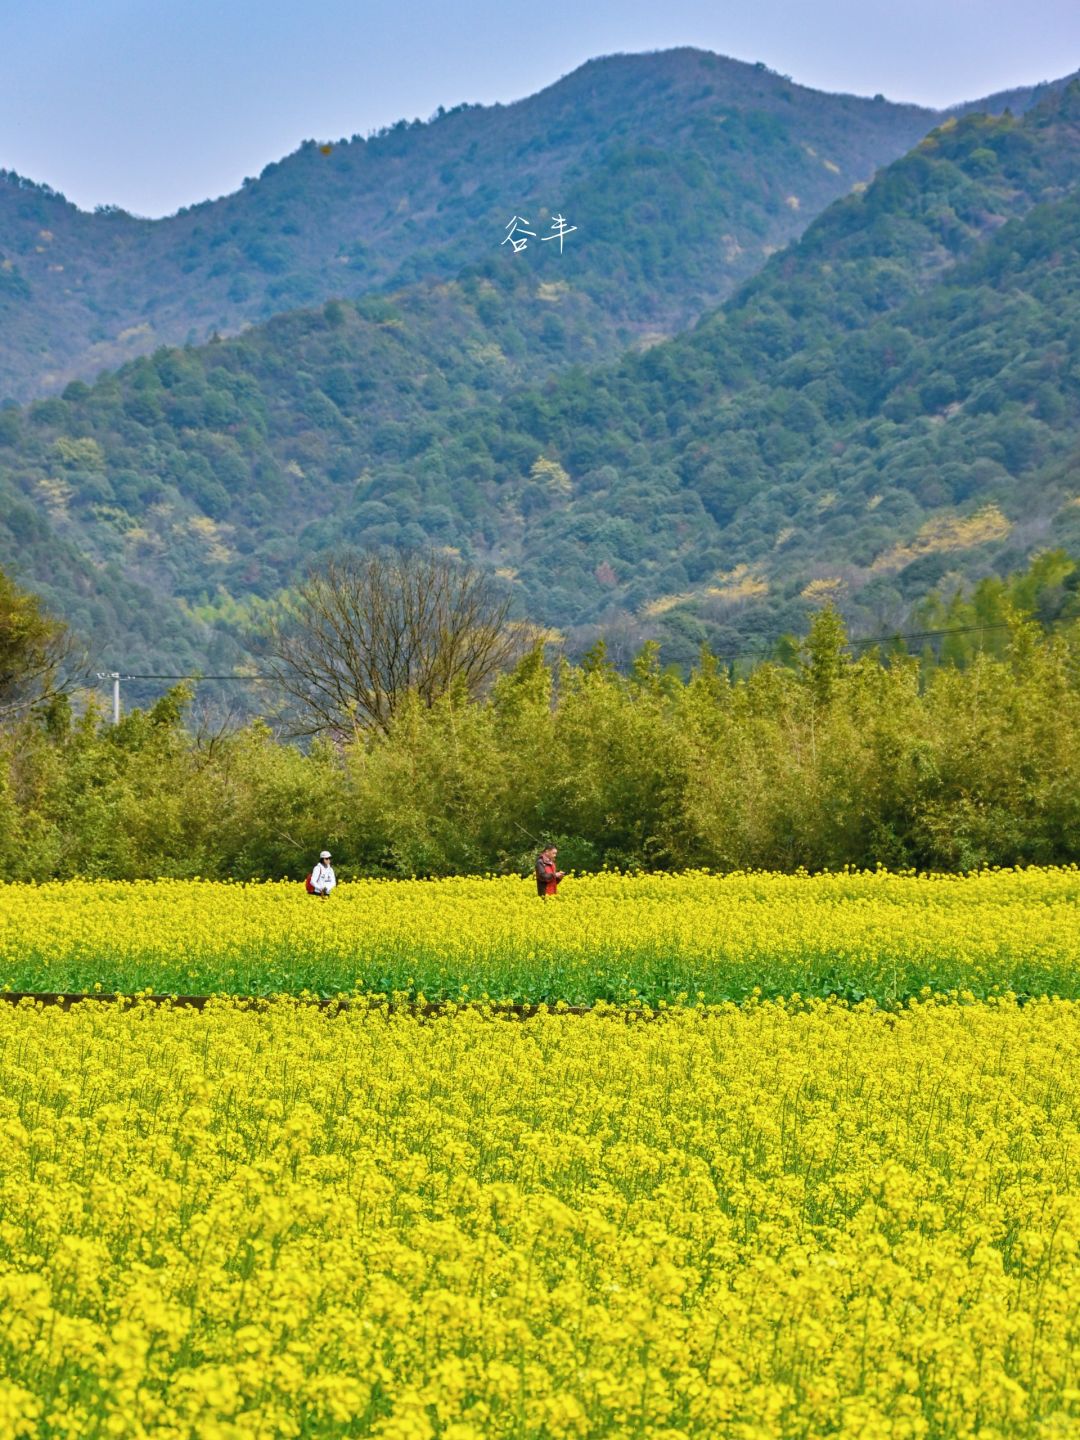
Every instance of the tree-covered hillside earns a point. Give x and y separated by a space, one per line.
682 171
204 473
894 401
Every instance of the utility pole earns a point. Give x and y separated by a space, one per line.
114 676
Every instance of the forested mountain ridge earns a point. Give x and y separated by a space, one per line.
206 472
682 169
897 394
893 399
894 396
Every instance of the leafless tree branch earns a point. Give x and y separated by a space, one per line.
370 629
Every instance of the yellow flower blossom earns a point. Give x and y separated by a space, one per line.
785 1219
609 937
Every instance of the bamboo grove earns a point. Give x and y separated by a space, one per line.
830 761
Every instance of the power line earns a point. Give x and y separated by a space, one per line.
931 634
892 637
112 675
116 677
866 640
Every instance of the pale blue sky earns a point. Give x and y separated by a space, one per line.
153 104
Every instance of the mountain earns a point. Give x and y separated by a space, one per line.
1017 100
682 171
892 401
894 397
189 475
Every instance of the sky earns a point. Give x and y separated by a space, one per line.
155 104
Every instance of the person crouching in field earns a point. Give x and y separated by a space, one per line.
322 879
547 877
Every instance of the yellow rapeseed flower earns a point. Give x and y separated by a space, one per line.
765 1221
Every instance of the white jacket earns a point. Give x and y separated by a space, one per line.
323 877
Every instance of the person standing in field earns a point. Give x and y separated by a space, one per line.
322 879
547 877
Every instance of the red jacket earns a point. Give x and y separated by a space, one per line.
547 877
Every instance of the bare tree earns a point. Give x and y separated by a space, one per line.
369 629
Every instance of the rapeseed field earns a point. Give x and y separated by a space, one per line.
656 938
806 1167
757 1221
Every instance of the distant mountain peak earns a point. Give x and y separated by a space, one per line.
891 399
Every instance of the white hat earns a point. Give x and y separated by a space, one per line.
324 854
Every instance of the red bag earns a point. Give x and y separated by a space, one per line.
308 886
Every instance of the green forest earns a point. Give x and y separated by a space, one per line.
957 754
893 402
684 168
